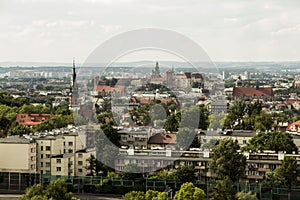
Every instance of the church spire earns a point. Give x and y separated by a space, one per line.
73 74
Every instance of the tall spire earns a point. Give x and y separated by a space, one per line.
73 74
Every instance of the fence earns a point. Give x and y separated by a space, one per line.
10 181
90 184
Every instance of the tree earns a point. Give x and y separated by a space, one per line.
94 166
246 196
34 191
58 190
111 133
226 161
134 195
55 190
263 122
171 124
287 173
224 190
185 174
275 141
189 192
151 194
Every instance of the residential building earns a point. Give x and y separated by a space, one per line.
18 154
249 93
32 119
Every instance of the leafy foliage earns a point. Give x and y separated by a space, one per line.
224 190
189 192
276 141
226 161
185 174
246 196
56 190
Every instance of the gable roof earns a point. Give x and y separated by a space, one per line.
106 88
252 91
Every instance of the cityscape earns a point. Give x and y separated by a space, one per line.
51 129
149 100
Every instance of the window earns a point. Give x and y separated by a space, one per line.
41 171
70 143
42 148
47 155
32 158
58 169
80 155
48 148
70 150
42 155
47 164
32 166
42 164
58 160
79 162
32 150
244 142
64 143
80 170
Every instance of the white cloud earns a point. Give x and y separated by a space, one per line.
229 30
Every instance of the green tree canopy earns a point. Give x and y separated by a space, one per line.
189 192
226 161
246 196
56 190
224 190
185 174
275 141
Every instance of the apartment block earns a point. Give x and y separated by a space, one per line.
18 154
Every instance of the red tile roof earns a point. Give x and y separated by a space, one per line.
296 123
106 88
32 119
252 91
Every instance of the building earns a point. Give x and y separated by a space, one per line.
51 146
156 72
134 137
18 155
257 164
249 93
294 127
32 119
162 140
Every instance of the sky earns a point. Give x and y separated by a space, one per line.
229 30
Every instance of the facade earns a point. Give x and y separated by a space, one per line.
17 155
50 146
258 164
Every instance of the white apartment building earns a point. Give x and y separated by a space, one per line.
49 146
18 154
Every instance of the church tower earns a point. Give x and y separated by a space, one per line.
73 89
156 71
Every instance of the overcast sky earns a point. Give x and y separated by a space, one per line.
58 30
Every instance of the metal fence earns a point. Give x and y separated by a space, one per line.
90 184
13 181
